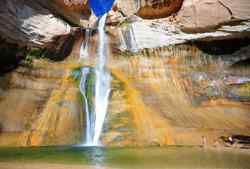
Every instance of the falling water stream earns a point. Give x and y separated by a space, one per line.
85 44
94 124
102 84
85 72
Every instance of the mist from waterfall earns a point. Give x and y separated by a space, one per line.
95 119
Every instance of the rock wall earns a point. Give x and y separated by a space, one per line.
77 14
204 15
41 106
140 34
28 23
177 96
37 23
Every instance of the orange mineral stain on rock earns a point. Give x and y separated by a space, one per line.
151 128
58 118
164 99
35 139
47 111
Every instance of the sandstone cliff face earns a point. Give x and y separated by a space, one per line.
40 104
36 23
196 20
202 15
177 96
75 13
28 23
139 34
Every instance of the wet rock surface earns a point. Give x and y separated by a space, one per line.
40 106
179 96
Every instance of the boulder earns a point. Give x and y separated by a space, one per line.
76 12
204 15
29 23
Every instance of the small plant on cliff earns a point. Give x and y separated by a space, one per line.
33 54
76 74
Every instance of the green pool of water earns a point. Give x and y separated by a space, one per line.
130 158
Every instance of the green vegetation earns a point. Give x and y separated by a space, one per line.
39 53
242 90
76 75
125 23
89 86
34 53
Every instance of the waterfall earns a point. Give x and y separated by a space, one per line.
102 90
85 72
85 44
102 84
